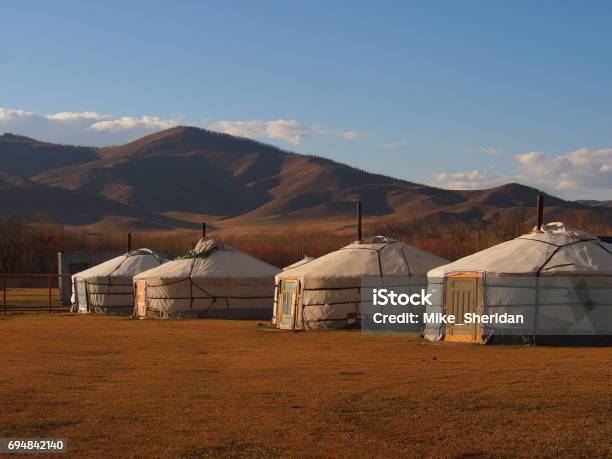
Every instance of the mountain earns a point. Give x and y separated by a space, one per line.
198 171
23 197
595 203
22 156
182 176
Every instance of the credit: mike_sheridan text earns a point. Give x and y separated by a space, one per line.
387 297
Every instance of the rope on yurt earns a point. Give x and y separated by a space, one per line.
200 288
604 248
326 320
109 284
86 294
209 297
382 282
168 283
214 298
111 273
358 288
330 303
191 284
194 256
315 289
133 253
348 247
409 270
406 261
537 295
557 245
538 240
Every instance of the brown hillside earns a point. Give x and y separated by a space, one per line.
188 174
24 157
26 198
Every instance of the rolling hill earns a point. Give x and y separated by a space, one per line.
595 203
23 157
181 176
20 196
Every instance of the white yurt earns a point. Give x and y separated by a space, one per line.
301 262
211 281
326 291
109 286
556 280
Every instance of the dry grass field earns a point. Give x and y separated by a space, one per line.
117 387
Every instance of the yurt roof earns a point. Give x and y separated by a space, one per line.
210 259
555 249
367 257
304 260
128 264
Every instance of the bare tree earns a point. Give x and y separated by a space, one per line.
13 240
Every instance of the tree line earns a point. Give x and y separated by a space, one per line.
30 245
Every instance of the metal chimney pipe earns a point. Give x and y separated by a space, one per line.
129 242
540 211
358 220
203 229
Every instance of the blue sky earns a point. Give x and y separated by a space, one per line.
464 94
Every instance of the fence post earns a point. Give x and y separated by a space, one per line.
4 293
49 285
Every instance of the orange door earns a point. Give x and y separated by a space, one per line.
141 298
464 294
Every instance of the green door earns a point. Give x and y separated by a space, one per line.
287 302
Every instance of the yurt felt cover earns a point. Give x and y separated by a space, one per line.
301 262
559 279
109 285
213 280
330 286
554 250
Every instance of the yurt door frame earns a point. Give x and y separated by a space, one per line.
81 295
140 298
287 302
464 293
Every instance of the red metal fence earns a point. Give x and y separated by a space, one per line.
31 293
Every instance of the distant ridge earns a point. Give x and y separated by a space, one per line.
178 177
594 203
23 156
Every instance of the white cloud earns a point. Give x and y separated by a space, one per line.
288 130
578 171
7 114
494 151
81 128
582 173
93 128
248 129
76 116
152 123
472 180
